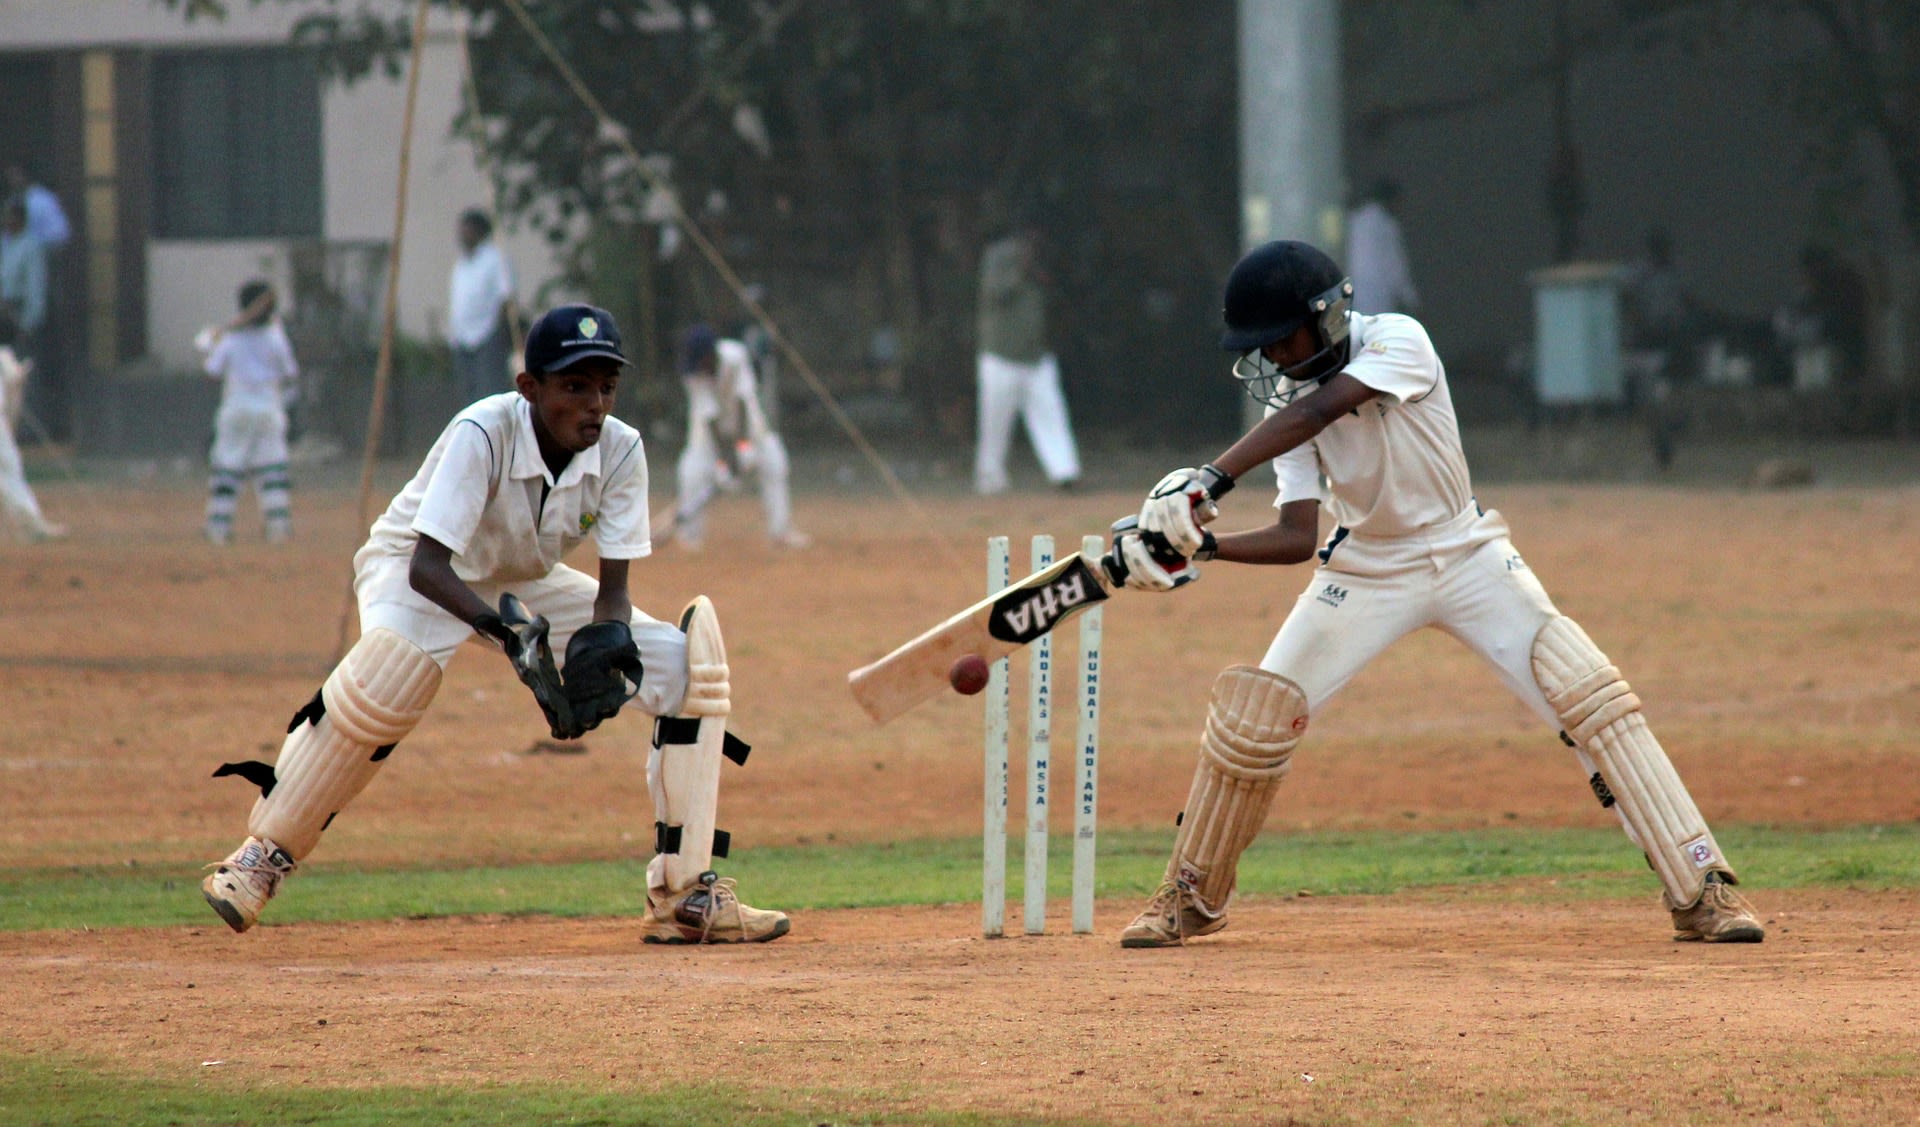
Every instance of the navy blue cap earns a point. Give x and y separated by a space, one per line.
696 345
568 334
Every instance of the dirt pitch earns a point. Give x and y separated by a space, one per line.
1776 638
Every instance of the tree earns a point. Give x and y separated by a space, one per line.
856 154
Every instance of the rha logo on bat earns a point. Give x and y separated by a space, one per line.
1023 614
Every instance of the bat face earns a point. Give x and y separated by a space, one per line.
991 628
1041 601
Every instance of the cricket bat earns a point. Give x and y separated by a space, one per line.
992 628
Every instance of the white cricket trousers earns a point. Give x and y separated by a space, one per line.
564 596
16 497
1032 391
699 478
1485 596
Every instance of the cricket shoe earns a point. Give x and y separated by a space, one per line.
1174 915
1721 915
241 885
709 912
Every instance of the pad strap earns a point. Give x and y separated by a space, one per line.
338 740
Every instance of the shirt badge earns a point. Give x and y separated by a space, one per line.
589 328
587 521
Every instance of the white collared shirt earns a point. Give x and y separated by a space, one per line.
1395 466
481 285
730 397
255 366
479 492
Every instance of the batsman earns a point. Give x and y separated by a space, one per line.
1359 419
471 547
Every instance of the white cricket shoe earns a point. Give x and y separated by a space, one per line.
240 886
708 912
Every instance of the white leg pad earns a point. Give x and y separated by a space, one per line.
1253 722
683 770
1602 717
373 698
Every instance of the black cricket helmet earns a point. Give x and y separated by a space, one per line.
1272 292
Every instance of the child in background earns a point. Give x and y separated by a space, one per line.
16 497
254 362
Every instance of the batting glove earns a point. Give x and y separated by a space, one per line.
1180 504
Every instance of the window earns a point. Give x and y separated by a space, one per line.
236 144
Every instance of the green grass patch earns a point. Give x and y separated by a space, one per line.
1579 862
77 1095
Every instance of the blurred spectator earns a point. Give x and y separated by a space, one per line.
45 218
1823 326
1656 309
1376 256
479 301
1657 327
23 275
1017 373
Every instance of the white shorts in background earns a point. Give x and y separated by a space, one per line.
565 596
249 438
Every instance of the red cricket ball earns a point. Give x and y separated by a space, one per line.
968 674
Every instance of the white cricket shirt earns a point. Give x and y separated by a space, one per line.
255 366
480 493
731 392
1393 468
480 285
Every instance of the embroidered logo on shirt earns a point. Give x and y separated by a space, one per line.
1333 595
587 521
589 328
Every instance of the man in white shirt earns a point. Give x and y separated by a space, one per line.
1360 419
515 482
479 303
1382 280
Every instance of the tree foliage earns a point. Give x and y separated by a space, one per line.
897 137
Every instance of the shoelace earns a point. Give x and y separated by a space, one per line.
1169 891
723 885
274 873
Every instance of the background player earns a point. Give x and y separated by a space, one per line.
17 502
728 437
1362 403
515 482
253 360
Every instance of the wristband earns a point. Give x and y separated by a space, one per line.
1216 481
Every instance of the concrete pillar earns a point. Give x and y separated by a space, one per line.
1292 170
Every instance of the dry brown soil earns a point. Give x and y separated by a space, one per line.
1775 637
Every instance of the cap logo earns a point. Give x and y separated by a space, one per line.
589 328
